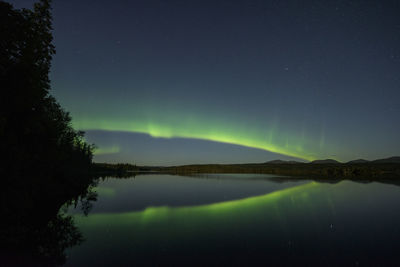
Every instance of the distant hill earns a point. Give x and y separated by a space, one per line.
325 161
387 160
357 161
278 161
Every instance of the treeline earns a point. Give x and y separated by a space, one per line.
115 167
122 169
349 171
359 171
118 168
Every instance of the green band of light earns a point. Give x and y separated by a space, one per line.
107 150
265 136
243 209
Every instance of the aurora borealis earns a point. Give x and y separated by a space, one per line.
266 138
177 82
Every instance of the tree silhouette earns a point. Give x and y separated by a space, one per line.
36 132
46 163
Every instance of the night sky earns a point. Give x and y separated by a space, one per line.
178 82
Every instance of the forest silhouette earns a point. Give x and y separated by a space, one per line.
46 163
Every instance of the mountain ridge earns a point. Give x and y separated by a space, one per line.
393 159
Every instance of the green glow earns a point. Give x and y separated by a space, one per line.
107 150
306 213
201 227
298 195
265 136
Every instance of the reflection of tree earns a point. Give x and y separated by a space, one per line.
60 233
45 245
86 200
35 231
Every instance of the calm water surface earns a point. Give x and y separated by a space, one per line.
238 219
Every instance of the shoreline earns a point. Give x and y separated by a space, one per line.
364 171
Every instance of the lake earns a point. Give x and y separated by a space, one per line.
238 219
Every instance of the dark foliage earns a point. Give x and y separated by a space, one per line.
115 168
45 163
36 132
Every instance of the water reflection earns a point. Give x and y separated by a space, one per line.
116 195
203 220
35 229
310 223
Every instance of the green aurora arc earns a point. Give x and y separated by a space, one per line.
267 136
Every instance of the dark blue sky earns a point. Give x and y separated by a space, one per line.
308 79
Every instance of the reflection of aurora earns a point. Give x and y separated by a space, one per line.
105 191
250 224
141 237
238 210
312 221
266 136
